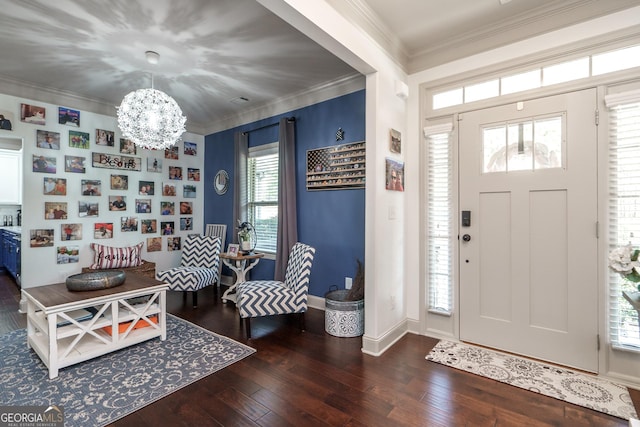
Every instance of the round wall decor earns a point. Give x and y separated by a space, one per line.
221 182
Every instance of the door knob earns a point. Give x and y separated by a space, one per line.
466 238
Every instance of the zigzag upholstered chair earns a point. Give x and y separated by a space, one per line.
198 266
269 297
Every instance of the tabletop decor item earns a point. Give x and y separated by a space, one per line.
624 261
247 237
96 280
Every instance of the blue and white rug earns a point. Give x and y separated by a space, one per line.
563 384
102 390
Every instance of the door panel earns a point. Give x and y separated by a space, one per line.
528 276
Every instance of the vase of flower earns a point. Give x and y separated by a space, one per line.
624 261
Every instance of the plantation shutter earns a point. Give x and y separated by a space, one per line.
624 206
440 218
262 194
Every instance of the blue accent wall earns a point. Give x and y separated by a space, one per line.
332 221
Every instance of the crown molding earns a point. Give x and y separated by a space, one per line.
328 90
543 19
363 17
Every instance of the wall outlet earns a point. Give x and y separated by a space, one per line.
347 282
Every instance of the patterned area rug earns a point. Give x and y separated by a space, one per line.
102 390
564 384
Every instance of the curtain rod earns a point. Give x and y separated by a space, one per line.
290 119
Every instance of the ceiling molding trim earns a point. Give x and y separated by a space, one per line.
529 24
21 89
363 17
324 92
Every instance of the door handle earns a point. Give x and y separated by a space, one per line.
466 238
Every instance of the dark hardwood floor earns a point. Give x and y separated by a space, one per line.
312 378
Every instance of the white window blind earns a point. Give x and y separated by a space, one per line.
440 218
624 212
262 195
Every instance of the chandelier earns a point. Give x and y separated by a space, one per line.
150 118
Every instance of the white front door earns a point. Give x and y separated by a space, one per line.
528 259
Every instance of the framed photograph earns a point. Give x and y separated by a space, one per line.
78 139
69 117
55 186
193 174
41 237
44 164
171 153
128 223
189 191
173 243
394 170
55 210
143 205
168 189
154 164
67 254
119 182
186 208
33 114
103 230
91 187
146 188
71 231
88 209
167 208
167 227
127 146
175 172
47 139
117 203
74 164
395 145
154 244
233 249
186 223
190 148
105 137
6 120
110 161
149 226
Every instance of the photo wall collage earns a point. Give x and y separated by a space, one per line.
116 187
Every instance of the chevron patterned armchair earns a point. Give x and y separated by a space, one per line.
198 266
269 297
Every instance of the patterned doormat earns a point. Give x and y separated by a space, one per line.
561 383
101 390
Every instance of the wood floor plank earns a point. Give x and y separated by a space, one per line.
314 379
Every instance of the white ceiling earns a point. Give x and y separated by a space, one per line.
215 51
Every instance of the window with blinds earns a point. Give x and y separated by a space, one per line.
440 219
262 195
624 215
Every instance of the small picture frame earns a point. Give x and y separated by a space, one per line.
33 114
103 230
395 144
119 182
105 137
154 164
190 148
127 146
79 139
154 244
173 243
193 174
69 117
48 139
74 164
233 249
91 187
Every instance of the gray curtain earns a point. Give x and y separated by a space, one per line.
241 141
287 216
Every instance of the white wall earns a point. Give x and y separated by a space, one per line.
621 365
39 265
385 262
